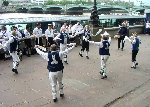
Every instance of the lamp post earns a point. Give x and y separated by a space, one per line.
94 18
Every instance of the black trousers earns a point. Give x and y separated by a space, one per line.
148 31
50 41
28 43
120 40
134 53
39 42
85 45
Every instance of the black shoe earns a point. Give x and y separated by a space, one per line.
133 67
15 70
55 100
103 77
61 95
136 64
121 49
66 62
87 57
101 73
28 55
80 54
17 64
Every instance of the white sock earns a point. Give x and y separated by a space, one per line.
86 53
133 64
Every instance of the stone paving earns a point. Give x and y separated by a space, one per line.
83 86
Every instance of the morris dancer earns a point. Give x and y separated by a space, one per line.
12 45
55 67
103 52
85 41
64 40
135 41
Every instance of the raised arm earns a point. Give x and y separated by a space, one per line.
62 53
43 54
57 37
96 43
109 40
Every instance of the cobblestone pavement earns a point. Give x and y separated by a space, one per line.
83 86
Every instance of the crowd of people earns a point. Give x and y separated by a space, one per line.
57 47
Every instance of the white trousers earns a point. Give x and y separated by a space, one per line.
104 59
62 48
56 77
15 59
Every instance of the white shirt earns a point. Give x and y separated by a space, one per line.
5 34
100 44
65 38
37 32
61 53
7 44
77 29
147 25
19 35
49 33
86 36
69 29
27 34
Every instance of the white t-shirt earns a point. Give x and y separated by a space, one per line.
5 34
49 33
147 25
77 28
27 34
37 32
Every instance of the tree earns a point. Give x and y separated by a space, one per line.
5 3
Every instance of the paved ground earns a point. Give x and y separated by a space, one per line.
125 87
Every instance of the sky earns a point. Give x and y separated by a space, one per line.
137 2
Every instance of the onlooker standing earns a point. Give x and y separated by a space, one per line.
122 32
28 40
127 26
49 33
37 32
148 27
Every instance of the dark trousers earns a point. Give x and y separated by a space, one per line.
134 53
148 31
28 46
39 41
120 40
50 41
85 45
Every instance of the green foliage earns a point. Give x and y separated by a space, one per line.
64 2
90 2
5 3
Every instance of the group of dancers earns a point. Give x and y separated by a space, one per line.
55 56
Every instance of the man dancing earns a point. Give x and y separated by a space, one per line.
55 67
103 52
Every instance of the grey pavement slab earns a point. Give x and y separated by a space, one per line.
83 86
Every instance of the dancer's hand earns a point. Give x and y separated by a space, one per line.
36 46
